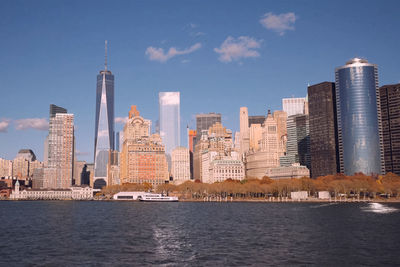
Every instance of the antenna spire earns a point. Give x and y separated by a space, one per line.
105 61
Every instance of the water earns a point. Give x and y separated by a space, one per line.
69 233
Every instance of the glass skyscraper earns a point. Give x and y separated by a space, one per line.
358 115
170 120
104 128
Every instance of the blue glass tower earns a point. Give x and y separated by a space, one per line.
358 115
170 129
104 128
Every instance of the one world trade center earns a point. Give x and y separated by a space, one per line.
104 128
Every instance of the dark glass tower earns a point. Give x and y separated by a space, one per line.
358 115
205 121
390 105
104 128
323 129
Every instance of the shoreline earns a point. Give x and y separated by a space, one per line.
234 200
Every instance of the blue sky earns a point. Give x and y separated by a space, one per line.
220 55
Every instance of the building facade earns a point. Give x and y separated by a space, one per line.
180 167
226 168
244 130
298 141
61 149
143 158
104 136
6 167
359 118
295 171
293 106
204 121
72 193
170 121
390 114
324 154
269 144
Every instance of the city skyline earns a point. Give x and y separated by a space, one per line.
25 124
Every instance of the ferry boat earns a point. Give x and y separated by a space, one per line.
157 198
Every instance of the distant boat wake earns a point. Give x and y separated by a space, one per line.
379 208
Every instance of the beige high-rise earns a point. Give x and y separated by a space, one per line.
180 165
143 157
244 130
60 151
272 145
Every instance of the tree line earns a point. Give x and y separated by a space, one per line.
357 185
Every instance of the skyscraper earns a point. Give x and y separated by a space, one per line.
104 128
323 129
298 141
204 122
293 106
60 150
359 118
142 159
170 120
244 130
390 105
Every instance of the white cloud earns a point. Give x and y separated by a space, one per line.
157 54
121 120
235 49
40 124
279 23
169 98
4 125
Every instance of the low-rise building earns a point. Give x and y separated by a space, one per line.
226 168
72 193
294 171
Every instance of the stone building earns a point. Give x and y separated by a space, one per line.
180 167
142 159
271 145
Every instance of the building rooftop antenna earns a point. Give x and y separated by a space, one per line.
105 61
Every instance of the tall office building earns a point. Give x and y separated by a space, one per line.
267 144
180 168
298 141
60 149
294 106
204 122
390 112
359 118
244 130
104 128
256 119
170 130
323 129
142 158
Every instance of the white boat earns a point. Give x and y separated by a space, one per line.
157 198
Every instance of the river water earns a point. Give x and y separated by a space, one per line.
97 233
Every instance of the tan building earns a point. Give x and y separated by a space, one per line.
271 145
294 171
20 167
78 169
226 168
113 170
217 139
244 130
60 151
6 168
256 132
180 165
143 157
33 165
